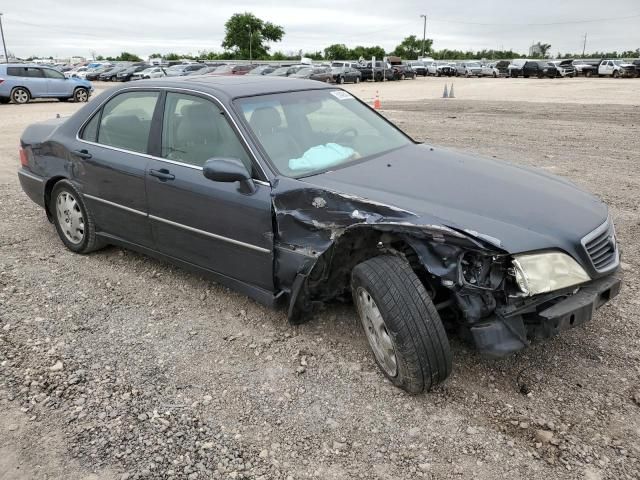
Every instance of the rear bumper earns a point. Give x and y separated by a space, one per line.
32 185
498 336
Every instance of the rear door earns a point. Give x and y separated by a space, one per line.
194 219
31 78
112 152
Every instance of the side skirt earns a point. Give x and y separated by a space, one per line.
264 297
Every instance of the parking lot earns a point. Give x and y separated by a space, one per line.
126 367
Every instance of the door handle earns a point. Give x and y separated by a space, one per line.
162 174
82 154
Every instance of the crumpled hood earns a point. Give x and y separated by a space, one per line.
523 209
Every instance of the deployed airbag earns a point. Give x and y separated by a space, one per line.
322 156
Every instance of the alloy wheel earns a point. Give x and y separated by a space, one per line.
377 333
70 217
20 95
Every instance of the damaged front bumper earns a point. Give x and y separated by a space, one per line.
512 329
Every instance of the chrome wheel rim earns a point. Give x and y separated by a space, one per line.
376 331
70 217
21 96
81 95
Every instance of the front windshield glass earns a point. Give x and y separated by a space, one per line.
304 71
308 132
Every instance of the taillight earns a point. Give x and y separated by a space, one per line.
24 160
1 80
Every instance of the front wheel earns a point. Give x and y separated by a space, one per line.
81 95
616 74
73 220
357 79
401 323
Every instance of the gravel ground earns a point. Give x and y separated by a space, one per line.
113 365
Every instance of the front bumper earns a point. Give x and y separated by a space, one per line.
501 335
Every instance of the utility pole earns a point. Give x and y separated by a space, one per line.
584 45
250 39
424 32
4 45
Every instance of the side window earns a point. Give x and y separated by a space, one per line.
34 72
126 121
50 73
90 132
195 130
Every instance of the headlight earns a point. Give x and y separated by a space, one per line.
545 272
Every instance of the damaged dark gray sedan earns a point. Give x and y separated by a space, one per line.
297 194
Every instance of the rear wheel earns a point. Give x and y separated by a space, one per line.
616 74
340 80
73 220
20 95
402 326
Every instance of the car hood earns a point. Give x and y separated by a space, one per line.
515 208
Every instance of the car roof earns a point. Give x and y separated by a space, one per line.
234 87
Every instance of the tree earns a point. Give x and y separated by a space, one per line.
544 48
242 27
172 56
411 47
128 57
337 51
367 52
155 55
99 58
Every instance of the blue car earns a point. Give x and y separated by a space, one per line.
20 83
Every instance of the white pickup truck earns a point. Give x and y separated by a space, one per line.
616 68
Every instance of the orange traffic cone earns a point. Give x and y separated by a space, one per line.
376 102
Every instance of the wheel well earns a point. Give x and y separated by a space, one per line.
48 188
330 278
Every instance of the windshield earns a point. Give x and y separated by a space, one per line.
177 68
473 64
307 132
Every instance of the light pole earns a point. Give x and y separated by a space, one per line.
424 32
4 45
250 39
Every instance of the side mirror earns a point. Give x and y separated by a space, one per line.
229 170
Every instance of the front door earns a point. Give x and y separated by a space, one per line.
111 160
57 84
194 219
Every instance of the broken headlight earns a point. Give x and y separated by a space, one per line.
545 272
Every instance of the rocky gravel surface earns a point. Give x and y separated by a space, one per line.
114 365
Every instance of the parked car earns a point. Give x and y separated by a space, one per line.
402 72
586 68
285 71
495 69
111 74
636 64
565 68
203 71
183 69
76 72
262 70
95 73
20 83
151 72
381 71
469 69
127 74
616 68
321 74
440 69
535 68
419 67
232 70
325 199
344 63
345 74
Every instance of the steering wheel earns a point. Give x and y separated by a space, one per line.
343 133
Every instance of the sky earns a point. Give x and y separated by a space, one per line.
78 27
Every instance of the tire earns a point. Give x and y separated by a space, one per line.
4 100
403 77
357 79
616 74
20 95
495 75
340 80
73 220
387 290
81 95
588 74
